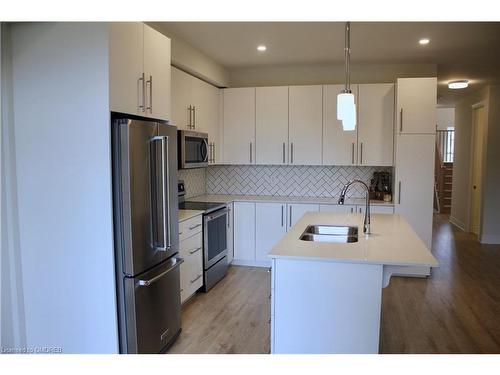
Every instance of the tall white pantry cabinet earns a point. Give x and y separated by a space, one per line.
415 148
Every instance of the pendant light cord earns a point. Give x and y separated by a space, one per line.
347 52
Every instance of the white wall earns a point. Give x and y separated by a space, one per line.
62 151
317 74
445 117
187 58
462 162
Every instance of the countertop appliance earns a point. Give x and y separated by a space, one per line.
215 226
193 149
146 233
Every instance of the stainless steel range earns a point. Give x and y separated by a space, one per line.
215 224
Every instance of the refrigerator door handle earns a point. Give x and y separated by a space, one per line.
148 282
165 189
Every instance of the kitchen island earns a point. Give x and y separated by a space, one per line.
326 296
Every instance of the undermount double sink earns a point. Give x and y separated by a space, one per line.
330 233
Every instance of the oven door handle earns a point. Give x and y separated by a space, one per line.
217 214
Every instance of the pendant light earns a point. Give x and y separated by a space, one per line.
346 108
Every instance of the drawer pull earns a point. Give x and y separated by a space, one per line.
195 250
180 233
197 278
196 226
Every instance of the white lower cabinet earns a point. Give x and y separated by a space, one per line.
191 250
297 210
270 227
244 232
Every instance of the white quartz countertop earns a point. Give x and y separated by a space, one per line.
268 198
188 214
392 242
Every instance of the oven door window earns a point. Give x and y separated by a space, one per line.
195 150
217 237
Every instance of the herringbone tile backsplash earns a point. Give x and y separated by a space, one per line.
288 181
194 180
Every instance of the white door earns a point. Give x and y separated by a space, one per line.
239 126
182 99
339 146
416 105
126 67
477 169
376 124
305 124
338 208
271 125
297 210
270 227
244 231
414 183
157 71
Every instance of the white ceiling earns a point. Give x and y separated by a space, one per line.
460 50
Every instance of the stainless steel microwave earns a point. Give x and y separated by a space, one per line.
193 149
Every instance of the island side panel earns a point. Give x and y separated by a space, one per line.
325 307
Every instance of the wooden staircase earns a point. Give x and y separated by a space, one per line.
443 174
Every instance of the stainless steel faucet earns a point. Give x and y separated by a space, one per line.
366 226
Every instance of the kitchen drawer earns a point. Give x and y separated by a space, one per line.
191 246
190 227
191 250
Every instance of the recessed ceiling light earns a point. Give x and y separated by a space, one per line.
424 41
261 48
461 84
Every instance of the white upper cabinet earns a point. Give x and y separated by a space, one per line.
339 146
416 105
126 67
157 74
376 124
239 126
182 99
271 125
305 125
139 73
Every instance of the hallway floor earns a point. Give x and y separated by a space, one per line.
456 310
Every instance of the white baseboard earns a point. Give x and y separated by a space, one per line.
490 239
251 263
458 223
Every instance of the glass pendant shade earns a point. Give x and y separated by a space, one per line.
346 111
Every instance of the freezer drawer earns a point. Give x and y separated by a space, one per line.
153 314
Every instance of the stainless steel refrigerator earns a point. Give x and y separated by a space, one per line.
146 233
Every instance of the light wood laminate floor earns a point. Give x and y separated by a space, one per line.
456 310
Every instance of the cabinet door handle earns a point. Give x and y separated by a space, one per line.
282 216
283 152
194 117
190 124
150 82
352 153
195 250
290 217
399 193
250 152
401 120
196 278
141 90
352 210
213 156
291 153
361 154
